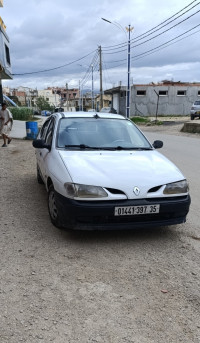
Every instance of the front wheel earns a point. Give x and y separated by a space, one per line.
52 207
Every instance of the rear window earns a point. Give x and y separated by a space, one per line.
197 103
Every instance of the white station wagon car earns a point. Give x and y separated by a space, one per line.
101 173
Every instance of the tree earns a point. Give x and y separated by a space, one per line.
43 104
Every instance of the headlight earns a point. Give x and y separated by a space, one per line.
176 187
75 190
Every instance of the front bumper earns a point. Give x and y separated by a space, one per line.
99 215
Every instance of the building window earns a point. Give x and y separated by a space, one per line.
181 93
47 99
163 93
199 93
7 54
141 92
122 94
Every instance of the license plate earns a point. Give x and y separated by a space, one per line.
136 210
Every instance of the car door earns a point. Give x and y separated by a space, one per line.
46 135
41 135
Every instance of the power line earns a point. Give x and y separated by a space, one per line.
124 44
144 34
89 70
180 22
88 73
160 47
106 70
64 65
161 33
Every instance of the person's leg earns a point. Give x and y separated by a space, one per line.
4 140
9 139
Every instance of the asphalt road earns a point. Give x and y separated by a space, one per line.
107 287
184 152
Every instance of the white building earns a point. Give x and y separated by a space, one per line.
48 94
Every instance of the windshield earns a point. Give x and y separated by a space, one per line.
100 134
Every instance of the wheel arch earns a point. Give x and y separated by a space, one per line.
49 183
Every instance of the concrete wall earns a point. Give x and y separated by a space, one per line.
168 104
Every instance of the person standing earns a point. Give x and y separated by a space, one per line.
6 121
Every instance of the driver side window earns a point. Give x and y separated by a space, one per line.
44 129
49 135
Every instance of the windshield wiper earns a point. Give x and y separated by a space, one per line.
119 147
84 146
142 148
81 146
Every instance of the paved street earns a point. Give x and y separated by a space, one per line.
115 287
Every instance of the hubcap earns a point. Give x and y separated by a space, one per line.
52 206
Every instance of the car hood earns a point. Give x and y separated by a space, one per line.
121 170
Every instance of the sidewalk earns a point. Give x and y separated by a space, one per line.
19 129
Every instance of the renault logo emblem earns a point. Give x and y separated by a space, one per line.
136 190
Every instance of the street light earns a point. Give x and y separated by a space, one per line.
128 29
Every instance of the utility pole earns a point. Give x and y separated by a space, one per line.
82 98
92 87
67 97
157 104
100 71
79 99
129 29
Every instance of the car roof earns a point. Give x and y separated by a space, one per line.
82 114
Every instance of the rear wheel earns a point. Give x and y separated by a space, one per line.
192 117
53 210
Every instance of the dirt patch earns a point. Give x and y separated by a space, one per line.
113 287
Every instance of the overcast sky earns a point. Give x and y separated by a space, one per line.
46 34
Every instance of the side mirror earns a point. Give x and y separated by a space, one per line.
40 144
157 144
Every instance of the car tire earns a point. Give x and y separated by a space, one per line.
192 117
39 178
52 207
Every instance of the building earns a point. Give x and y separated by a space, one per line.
165 98
61 97
107 101
51 96
5 63
23 96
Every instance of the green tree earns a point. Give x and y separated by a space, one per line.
15 99
43 104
